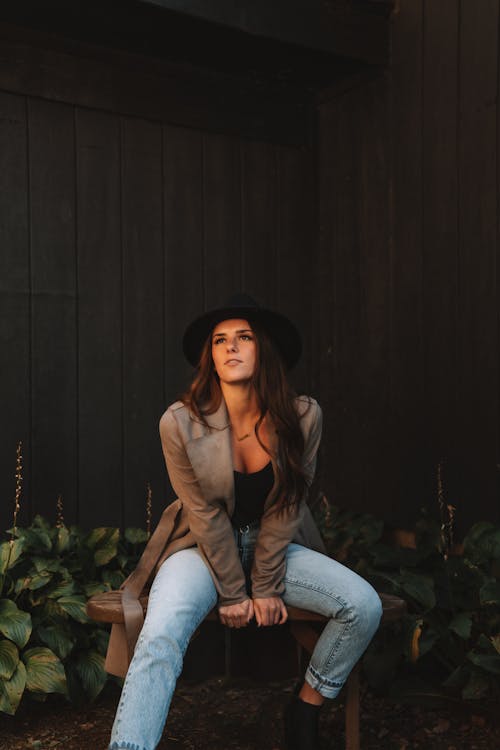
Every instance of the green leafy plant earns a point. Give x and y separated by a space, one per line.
449 642
47 642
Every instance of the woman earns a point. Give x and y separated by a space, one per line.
240 450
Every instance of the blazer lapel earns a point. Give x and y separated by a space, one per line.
210 455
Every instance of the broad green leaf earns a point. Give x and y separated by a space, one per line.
136 536
11 691
461 624
21 584
496 643
477 531
113 578
9 659
101 639
4 556
36 539
95 588
90 669
14 623
43 564
36 580
9 554
44 671
488 662
57 638
41 523
63 588
107 551
62 539
74 606
97 537
490 592
420 588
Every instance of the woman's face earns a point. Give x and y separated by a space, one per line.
234 350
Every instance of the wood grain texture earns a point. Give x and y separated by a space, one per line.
100 331
15 310
478 310
440 175
143 319
54 306
183 249
407 332
222 256
259 220
296 249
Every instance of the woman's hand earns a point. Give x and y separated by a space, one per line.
236 615
270 611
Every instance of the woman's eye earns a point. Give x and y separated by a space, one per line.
218 341
246 336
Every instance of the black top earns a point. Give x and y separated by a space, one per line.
250 492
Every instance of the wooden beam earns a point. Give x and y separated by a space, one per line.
34 63
357 30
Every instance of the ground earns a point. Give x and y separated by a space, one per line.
244 715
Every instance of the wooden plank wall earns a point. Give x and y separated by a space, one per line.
408 361
115 233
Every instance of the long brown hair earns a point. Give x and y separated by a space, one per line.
275 397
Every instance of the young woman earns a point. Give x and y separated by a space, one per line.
240 449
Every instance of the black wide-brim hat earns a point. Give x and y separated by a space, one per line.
281 330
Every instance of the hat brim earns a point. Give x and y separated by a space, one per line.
281 330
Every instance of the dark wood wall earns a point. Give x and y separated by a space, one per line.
408 351
136 194
115 231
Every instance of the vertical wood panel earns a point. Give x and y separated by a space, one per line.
183 210
143 336
100 313
259 220
341 208
478 390
296 245
325 310
14 305
407 374
375 269
440 237
54 360
221 219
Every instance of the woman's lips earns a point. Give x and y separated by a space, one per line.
233 362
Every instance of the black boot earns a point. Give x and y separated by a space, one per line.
301 725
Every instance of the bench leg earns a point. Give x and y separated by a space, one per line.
352 711
227 655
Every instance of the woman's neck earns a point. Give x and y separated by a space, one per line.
241 402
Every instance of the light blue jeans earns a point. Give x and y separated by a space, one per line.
183 593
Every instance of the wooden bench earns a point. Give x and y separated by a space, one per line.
107 608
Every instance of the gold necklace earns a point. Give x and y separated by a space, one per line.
243 437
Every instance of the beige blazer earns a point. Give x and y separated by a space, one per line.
200 467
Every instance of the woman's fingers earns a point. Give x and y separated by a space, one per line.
236 615
270 611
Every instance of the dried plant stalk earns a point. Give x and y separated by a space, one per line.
149 506
59 516
447 516
19 485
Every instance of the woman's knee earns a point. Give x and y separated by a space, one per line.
366 608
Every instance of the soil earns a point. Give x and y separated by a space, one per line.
244 715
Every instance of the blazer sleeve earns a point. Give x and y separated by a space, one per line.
208 522
278 530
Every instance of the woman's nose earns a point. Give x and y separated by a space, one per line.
232 344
